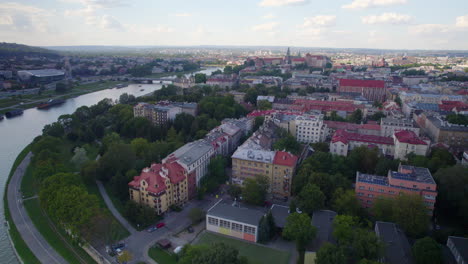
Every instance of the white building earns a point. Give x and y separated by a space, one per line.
407 142
310 128
389 125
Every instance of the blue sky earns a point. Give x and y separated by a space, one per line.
398 24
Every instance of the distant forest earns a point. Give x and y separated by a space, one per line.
13 49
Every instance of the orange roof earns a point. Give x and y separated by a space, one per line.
285 159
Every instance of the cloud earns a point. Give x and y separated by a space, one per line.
268 16
319 21
462 21
19 17
265 27
267 3
110 22
429 29
183 15
362 4
387 18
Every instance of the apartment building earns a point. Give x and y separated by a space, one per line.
373 90
163 111
255 157
408 180
389 125
343 142
406 142
160 186
310 128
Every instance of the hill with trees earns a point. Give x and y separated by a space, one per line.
13 50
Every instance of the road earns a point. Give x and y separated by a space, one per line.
139 242
35 241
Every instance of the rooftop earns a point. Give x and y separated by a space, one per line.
280 213
411 173
362 83
397 247
345 137
407 136
461 244
191 152
285 159
240 214
323 221
44 72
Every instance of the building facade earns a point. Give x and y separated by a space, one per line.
372 90
310 128
408 180
406 142
234 221
342 142
389 125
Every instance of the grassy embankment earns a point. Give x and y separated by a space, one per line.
256 254
54 234
161 256
21 247
29 100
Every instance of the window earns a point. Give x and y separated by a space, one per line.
213 221
249 230
236 227
225 224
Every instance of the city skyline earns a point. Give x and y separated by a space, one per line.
380 24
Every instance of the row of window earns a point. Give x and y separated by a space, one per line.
233 226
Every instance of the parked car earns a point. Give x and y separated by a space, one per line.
160 225
120 246
190 229
151 229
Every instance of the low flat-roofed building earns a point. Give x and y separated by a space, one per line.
323 221
280 213
459 248
397 247
233 220
41 76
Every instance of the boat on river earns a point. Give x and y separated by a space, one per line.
50 103
13 113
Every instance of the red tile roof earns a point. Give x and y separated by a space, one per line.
345 137
285 159
156 182
362 83
407 136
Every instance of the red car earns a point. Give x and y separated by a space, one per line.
160 225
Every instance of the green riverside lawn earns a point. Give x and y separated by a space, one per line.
161 256
22 249
257 254
60 241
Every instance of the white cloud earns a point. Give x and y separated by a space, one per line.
183 15
429 29
265 27
387 18
361 4
110 22
19 17
462 21
268 16
282 2
319 21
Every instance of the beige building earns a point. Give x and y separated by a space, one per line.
160 186
407 142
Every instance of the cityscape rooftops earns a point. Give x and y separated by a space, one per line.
43 72
372 179
407 136
236 213
411 173
444 125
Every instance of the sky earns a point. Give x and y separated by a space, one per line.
381 24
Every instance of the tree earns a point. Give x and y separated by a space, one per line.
330 254
345 202
251 96
80 157
55 130
356 116
89 172
263 105
200 78
263 230
119 158
321 146
382 209
452 198
310 199
255 190
258 122
410 212
299 228
196 215
288 143
271 224
398 101
235 191
216 253
427 251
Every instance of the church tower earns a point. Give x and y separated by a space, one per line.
288 56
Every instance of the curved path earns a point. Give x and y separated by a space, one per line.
31 236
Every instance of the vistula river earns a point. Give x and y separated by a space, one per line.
17 132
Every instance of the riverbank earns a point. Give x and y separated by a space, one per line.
22 251
31 101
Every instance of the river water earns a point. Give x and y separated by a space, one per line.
17 132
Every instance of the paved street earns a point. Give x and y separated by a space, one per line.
35 241
139 242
